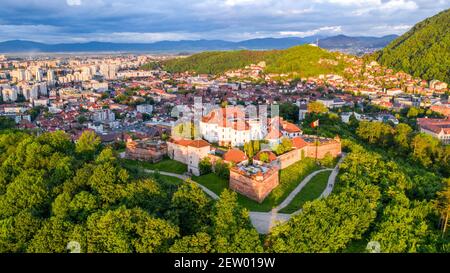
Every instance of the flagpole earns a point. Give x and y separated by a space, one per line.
317 143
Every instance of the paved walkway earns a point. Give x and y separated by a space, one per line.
184 178
265 221
294 193
332 178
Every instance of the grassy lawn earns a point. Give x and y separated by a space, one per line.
166 165
171 180
310 192
289 180
212 182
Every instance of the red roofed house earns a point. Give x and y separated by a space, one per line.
235 156
289 129
227 127
439 128
443 109
189 152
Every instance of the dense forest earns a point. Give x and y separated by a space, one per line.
53 191
302 61
215 62
424 51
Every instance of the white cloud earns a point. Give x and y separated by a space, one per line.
73 2
149 20
388 7
233 3
323 30
390 29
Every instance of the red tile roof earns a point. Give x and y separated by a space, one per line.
290 127
435 125
274 134
235 156
192 143
299 142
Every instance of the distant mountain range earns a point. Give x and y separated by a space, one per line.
345 42
336 42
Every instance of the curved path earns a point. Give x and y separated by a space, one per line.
184 178
294 193
265 221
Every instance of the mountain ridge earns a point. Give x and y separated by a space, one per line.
17 46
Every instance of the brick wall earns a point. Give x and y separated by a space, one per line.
290 158
333 147
151 153
256 187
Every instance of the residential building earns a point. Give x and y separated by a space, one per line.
439 128
189 152
144 108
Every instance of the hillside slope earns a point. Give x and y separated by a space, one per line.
215 62
304 60
424 51
343 42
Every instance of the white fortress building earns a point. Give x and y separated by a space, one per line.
230 127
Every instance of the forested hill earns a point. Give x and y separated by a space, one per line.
424 51
304 60
216 62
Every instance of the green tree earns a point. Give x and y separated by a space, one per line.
328 161
256 146
264 157
82 119
443 205
402 136
317 108
88 144
6 123
375 132
283 147
424 147
289 111
128 230
16 232
327 225
191 208
205 166
413 112
53 237
249 150
231 228
222 169
403 227
197 243
109 182
27 191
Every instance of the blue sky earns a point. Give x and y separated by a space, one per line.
55 21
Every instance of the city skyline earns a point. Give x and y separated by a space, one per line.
66 21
